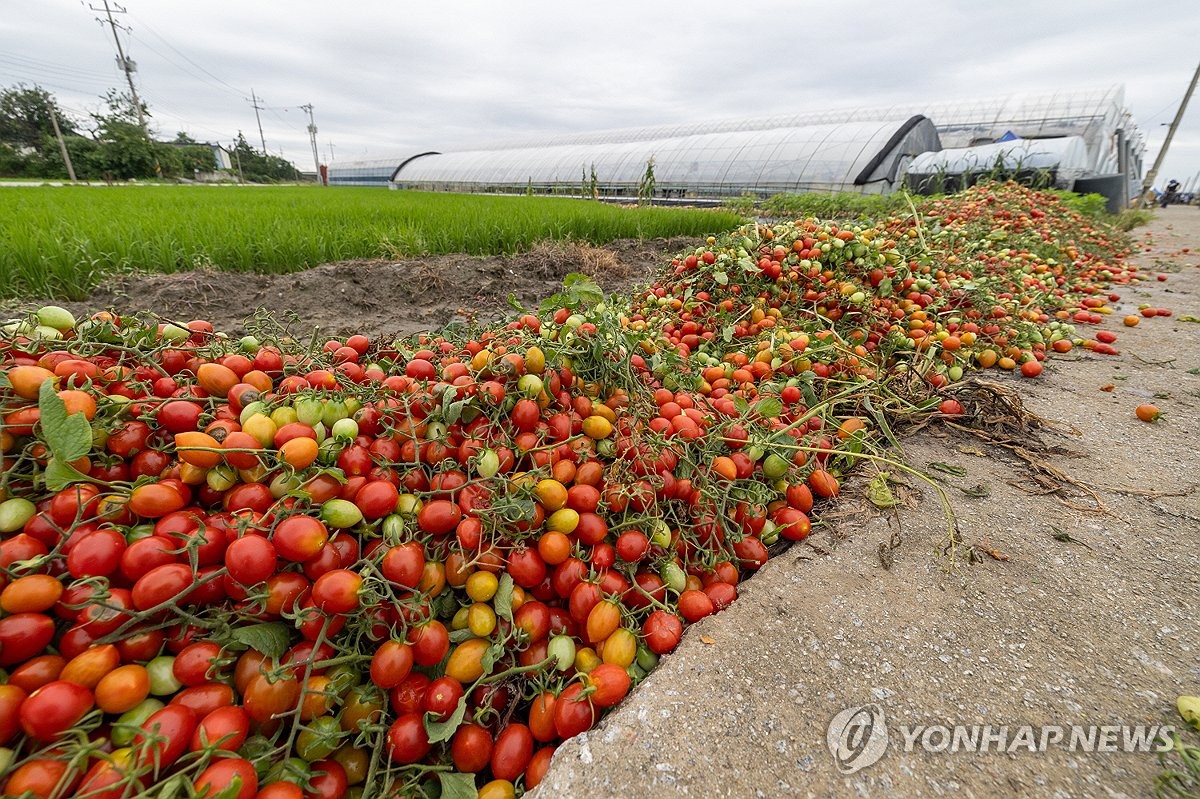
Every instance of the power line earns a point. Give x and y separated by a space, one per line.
208 81
287 122
60 86
61 82
33 64
164 110
184 56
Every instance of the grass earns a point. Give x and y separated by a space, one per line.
1132 217
59 243
841 207
850 207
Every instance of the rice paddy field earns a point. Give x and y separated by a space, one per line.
61 242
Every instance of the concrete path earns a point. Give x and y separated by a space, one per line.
1083 617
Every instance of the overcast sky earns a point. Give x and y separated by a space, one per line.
388 77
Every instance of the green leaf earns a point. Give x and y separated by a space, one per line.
769 407
60 474
439 731
456 785
741 404
516 306
269 638
502 601
4 381
171 788
1189 318
721 278
491 656
727 333
947 468
232 790
980 491
879 493
885 287
458 636
806 388
579 289
446 604
69 436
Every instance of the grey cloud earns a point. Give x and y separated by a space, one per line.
393 77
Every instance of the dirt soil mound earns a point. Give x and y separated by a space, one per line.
380 297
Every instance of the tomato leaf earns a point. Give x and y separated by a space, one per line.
769 407
69 436
4 381
448 604
456 785
806 387
269 638
947 468
879 493
493 654
171 788
458 636
578 290
502 601
232 790
59 474
439 731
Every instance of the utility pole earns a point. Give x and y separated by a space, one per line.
312 135
329 144
1162 154
62 145
257 108
237 154
128 67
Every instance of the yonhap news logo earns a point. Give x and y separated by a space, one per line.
858 737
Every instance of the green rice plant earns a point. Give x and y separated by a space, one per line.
839 207
61 242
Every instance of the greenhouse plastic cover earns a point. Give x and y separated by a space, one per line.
374 172
1094 114
851 156
1066 157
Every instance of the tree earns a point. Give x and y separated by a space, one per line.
126 151
25 117
262 168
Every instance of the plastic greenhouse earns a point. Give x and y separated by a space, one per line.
1059 162
861 156
364 173
1113 140
865 150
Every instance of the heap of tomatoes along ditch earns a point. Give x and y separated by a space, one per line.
261 567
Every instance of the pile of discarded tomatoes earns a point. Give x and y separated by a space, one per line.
259 568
